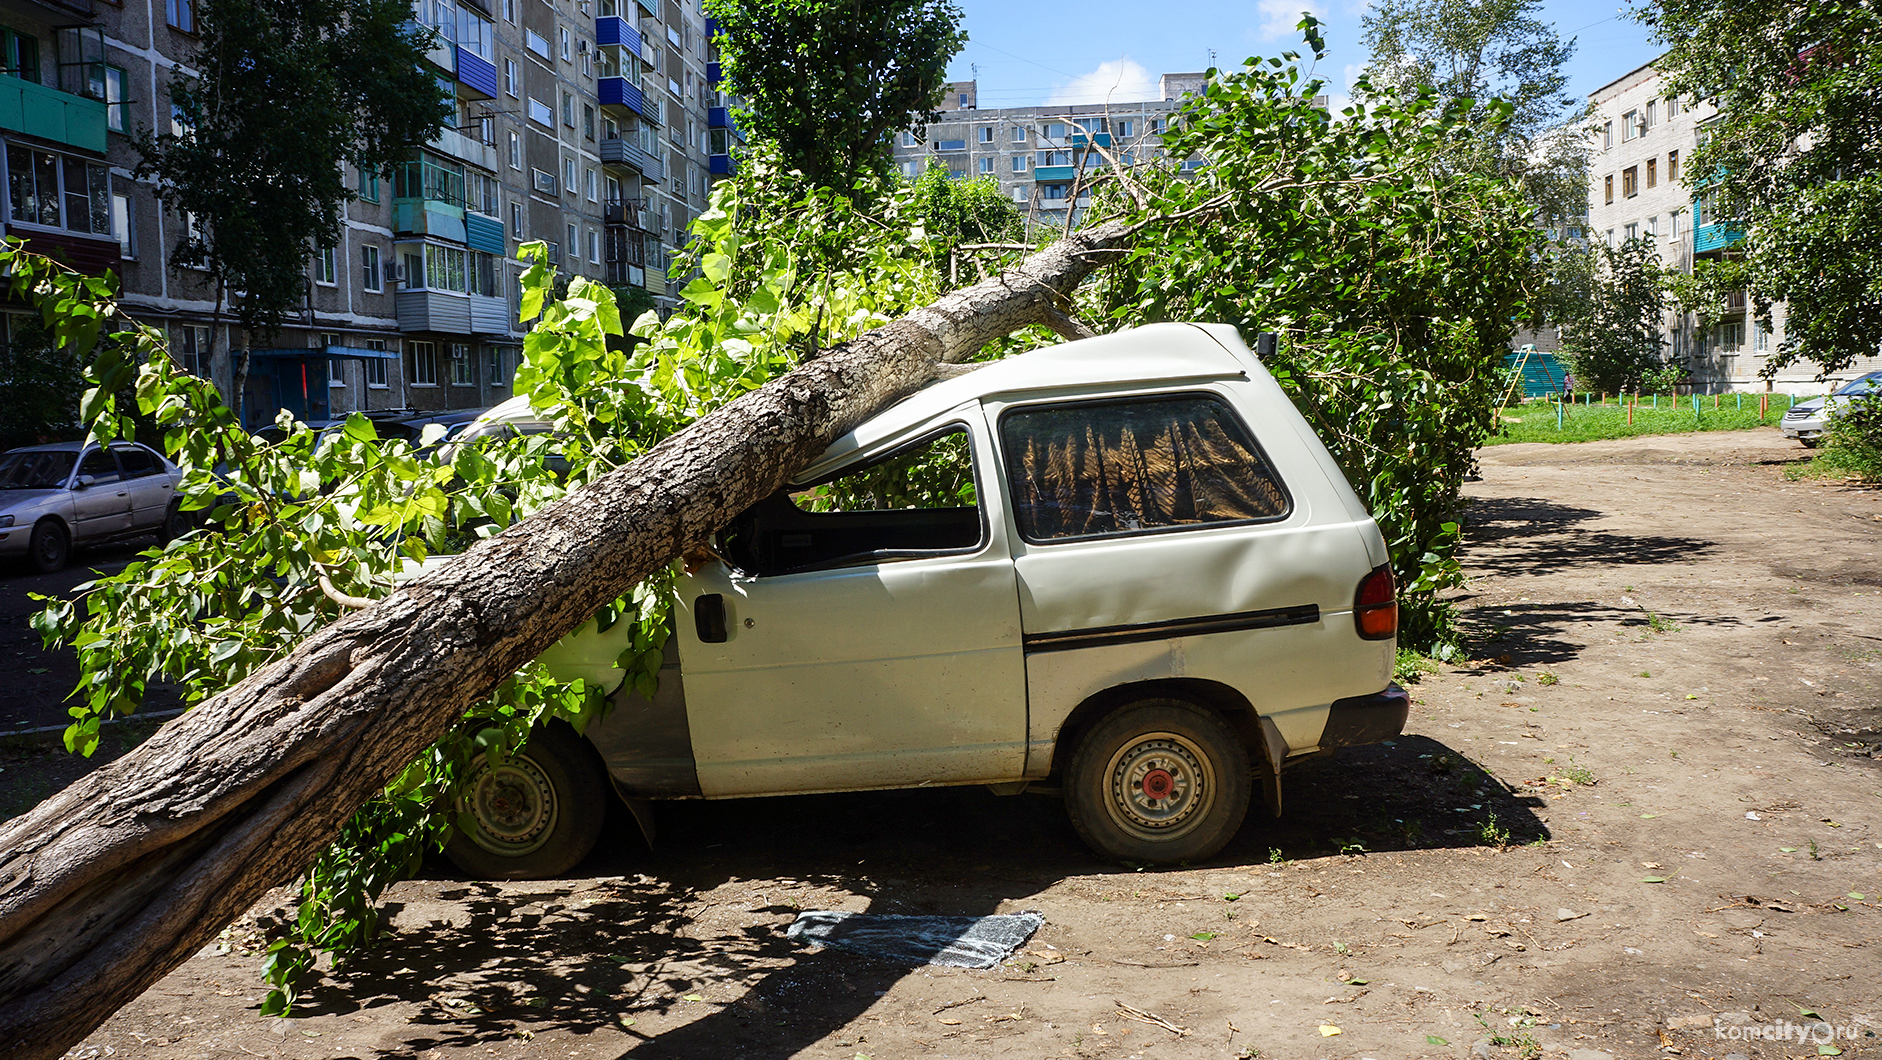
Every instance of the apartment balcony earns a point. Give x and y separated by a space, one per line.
466 148
713 74
485 233
477 73
1716 237
1053 174
950 145
632 213
452 313
430 217
627 153
38 110
625 274
719 118
1101 139
620 92
722 165
615 31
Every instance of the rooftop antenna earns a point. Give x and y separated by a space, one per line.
1211 58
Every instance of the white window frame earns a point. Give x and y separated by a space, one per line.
326 268
374 370
424 363
371 268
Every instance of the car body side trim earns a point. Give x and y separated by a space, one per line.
1072 639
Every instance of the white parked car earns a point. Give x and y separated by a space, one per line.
1124 567
1807 420
58 496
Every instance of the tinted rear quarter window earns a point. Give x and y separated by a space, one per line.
135 462
1135 465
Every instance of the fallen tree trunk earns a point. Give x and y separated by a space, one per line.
114 882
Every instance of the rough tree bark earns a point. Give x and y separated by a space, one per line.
109 885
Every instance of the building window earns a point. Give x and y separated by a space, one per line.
1019 163
568 110
1127 128
1019 134
1053 130
568 53
986 134
1607 135
1653 226
376 366
986 164
1653 107
1672 165
368 185
574 245
1653 172
509 78
543 181
516 150
1021 193
369 267
1630 125
568 175
536 42
1608 184
516 221
1761 339
588 121
1630 182
109 83
58 191
121 225
1672 106
326 272
190 351
424 367
594 247
494 358
180 14
1055 158
1054 191
1672 225
1632 232
908 139
540 113
461 365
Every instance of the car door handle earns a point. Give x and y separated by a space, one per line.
709 618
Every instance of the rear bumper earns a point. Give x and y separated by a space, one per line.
1366 719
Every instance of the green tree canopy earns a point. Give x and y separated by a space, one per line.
831 81
955 212
1615 341
1792 159
285 92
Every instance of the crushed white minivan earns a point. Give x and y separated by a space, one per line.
1123 568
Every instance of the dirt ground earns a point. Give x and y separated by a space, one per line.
1645 825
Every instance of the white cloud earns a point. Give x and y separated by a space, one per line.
1279 17
1112 82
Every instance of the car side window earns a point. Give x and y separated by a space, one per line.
1135 465
135 461
100 465
920 500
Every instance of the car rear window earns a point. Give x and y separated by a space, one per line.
135 462
1134 466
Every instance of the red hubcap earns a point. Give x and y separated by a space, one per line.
1158 784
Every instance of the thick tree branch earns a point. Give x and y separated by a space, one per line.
110 884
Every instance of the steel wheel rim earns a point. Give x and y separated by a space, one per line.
51 546
1159 786
514 805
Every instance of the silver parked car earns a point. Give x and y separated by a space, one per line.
54 497
1807 421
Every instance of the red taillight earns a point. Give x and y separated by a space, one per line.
1375 605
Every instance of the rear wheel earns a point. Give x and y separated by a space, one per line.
1159 780
175 523
537 814
49 547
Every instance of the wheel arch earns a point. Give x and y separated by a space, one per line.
1223 700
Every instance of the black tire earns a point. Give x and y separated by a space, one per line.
1809 443
1158 745
50 547
537 815
175 523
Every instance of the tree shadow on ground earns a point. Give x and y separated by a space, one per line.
1521 635
496 962
1532 536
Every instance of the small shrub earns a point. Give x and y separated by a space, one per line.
1855 440
1411 666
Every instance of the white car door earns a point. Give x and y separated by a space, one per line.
149 484
870 635
102 508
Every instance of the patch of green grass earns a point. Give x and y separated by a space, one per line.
1412 665
1547 678
1661 625
1492 833
1535 421
1833 462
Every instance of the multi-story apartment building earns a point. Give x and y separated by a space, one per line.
1038 153
588 124
1642 185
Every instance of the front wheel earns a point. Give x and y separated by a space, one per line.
49 547
1159 780
537 815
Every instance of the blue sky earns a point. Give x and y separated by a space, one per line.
1032 54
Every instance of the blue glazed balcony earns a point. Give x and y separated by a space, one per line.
477 73
713 73
624 153
722 165
620 92
1716 237
1053 174
613 30
719 118
950 145
1101 139
35 109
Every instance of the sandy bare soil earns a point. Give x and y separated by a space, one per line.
1645 825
